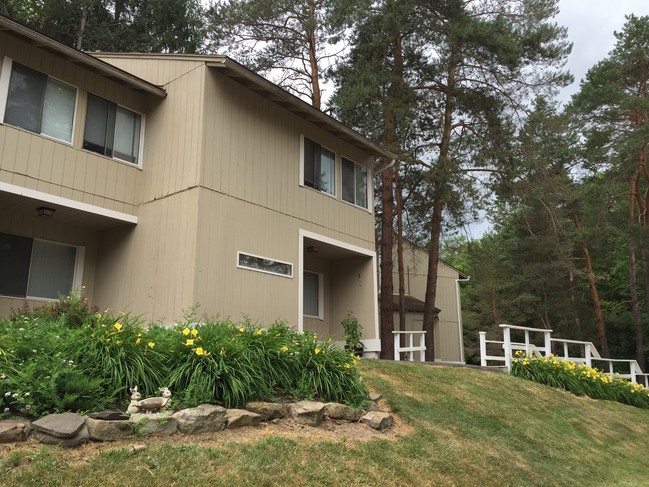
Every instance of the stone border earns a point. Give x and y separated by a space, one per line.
71 429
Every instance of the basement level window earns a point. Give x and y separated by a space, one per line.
264 264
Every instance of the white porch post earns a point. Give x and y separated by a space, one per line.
422 346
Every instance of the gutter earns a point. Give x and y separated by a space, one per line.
385 167
459 315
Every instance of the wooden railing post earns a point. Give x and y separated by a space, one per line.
483 348
422 345
411 354
507 348
397 346
547 334
588 355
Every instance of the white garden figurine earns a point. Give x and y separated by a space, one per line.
149 404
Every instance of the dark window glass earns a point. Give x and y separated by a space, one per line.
15 255
25 98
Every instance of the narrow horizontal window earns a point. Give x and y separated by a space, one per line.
263 264
36 268
112 130
40 104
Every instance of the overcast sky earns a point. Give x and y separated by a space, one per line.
591 24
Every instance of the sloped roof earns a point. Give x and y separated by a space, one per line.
88 61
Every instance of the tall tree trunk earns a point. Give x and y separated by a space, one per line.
387 180
316 99
436 216
635 306
592 285
402 285
82 27
387 290
431 279
573 299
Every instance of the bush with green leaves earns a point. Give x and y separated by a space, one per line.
580 379
51 363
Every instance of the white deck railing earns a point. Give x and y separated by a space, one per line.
587 353
410 348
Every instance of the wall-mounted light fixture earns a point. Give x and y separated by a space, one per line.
45 211
313 249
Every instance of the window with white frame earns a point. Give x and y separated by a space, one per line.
312 295
112 130
354 182
36 268
319 167
37 102
263 264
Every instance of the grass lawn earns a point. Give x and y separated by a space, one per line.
465 427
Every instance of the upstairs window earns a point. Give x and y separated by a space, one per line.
36 268
354 178
38 103
319 167
112 130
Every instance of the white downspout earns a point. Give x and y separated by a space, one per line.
459 315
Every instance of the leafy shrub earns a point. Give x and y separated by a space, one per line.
67 356
580 379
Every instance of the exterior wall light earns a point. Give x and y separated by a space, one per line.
45 211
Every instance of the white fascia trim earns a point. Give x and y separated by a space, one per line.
68 203
337 243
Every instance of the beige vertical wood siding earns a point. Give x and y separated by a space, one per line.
62 169
150 269
448 339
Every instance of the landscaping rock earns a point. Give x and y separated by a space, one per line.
79 438
110 416
307 412
336 410
64 425
238 418
14 431
108 430
377 420
375 396
205 418
373 407
154 424
268 410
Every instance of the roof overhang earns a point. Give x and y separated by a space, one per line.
73 55
269 90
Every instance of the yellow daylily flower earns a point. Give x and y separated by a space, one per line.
137 342
186 331
150 344
199 351
242 329
117 326
259 332
317 351
189 342
194 332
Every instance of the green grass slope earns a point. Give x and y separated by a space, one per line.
469 427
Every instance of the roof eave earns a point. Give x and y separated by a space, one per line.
106 70
290 102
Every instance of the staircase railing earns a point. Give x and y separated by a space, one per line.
587 352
